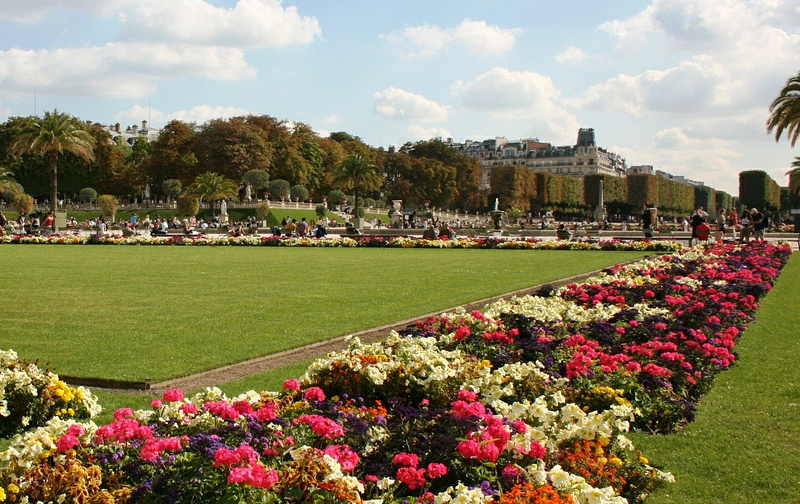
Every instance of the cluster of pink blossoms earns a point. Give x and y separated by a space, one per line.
413 476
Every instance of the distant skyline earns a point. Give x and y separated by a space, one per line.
683 85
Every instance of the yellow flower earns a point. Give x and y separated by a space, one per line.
12 488
2 495
603 441
644 460
615 461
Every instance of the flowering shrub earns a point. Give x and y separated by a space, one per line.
363 241
528 401
29 396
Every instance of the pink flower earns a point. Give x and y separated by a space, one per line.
122 413
155 404
291 385
314 394
225 457
413 478
321 426
67 442
406 459
343 454
173 395
436 470
467 395
461 333
189 408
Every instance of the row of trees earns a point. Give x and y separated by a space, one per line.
257 152
59 155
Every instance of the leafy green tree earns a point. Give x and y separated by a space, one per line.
359 174
212 186
335 198
232 147
50 137
794 181
298 192
785 112
171 187
279 189
256 179
172 155
87 195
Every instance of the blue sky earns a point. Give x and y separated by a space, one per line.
684 85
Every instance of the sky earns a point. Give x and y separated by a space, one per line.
683 85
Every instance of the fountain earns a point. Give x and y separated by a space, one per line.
497 219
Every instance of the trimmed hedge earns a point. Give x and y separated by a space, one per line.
759 190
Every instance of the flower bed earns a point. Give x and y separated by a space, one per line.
363 241
30 396
528 401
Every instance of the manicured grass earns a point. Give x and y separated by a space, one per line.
744 445
133 313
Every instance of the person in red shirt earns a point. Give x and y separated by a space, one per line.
49 223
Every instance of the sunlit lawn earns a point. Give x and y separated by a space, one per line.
133 313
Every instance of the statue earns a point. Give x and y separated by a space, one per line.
497 204
248 193
223 215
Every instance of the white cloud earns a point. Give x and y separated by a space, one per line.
504 94
122 69
394 103
415 133
248 24
30 11
474 37
677 151
198 114
692 86
571 54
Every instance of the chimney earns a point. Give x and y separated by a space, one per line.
135 129
144 125
116 127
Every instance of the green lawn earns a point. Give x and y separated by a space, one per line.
133 313
744 445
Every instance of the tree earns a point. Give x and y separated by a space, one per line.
785 111
232 147
171 155
794 180
24 204
298 192
171 187
358 173
188 204
256 179
108 204
279 189
213 186
50 137
335 198
87 195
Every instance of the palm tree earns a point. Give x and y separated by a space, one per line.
358 173
213 186
50 137
785 111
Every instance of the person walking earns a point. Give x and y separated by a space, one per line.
733 221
